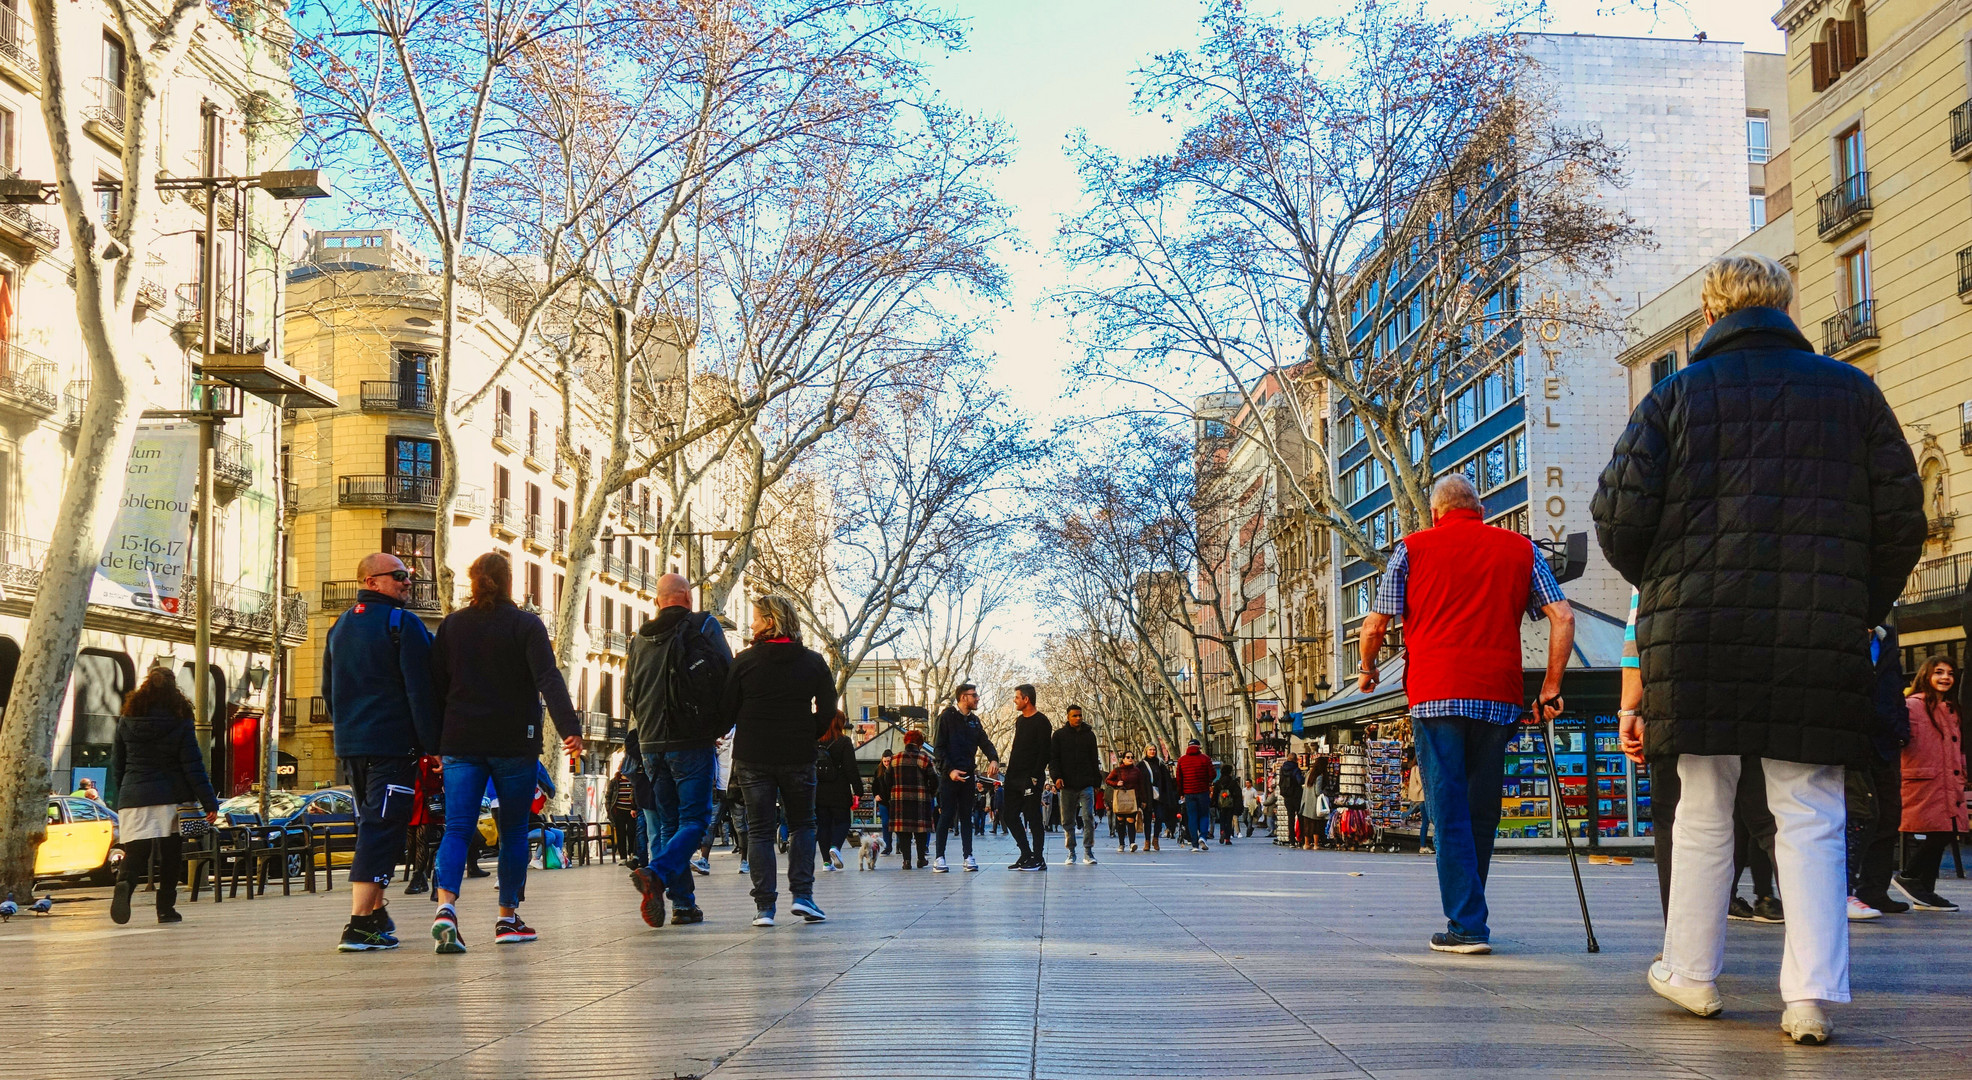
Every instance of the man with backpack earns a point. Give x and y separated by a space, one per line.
676 678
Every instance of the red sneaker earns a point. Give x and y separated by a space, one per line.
652 907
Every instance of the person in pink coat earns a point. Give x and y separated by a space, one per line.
1933 783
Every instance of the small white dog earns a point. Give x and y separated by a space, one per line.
871 846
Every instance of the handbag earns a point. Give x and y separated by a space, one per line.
1126 801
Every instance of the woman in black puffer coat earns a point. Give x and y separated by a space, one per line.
838 786
155 765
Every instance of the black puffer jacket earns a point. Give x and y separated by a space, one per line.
155 761
780 697
1765 503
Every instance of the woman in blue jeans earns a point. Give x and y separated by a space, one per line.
492 667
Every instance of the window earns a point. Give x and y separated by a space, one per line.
414 385
533 434
1757 205
114 67
416 549
1493 472
110 200
533 510
1662 367
1759 147
503 491
1856 288
1848 154
7 129
534 584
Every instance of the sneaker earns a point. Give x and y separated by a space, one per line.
938 867
416 888
922 863
685 916
764 917
743 867
1861 912
1089 857
1767 910
362 934
1920 898
1696 1000
806 907
1029 865
1883 903
971 865
1133 849
389 924
511 931
701 865
1806 1024
835 858
445 931
824 866
120 901
1739 910
652 905
1070 860
1459 943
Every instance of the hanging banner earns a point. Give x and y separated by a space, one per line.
144 563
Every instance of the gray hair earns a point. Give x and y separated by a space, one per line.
1454 492
779 610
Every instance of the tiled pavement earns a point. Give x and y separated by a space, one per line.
1248 961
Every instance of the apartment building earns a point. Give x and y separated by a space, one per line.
1880 119
362 316
236 74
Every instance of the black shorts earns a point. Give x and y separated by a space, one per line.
386 797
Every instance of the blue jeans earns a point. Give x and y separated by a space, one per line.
793 787
1198 818
465 783
1079 805
681 780
1462 759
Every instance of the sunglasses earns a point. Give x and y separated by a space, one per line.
394 575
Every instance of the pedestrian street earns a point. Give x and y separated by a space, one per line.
1245 961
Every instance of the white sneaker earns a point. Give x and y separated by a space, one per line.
835 858
1861 912
971 865
939 866
1697 1000
1806 1024
1070 861
1089 857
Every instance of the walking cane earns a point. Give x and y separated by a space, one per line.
1567 836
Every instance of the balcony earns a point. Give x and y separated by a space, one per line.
469 502
27 383
151 294
233 607
105 111
31 233
1961 131
1965 275
1939 528
415 491
561 546
75 398
631 518
506 519
615 569
595 726
503 431
616 642
20 562
19 63
535 536
337 595
232 468
1849 331
391 396
1844 208
1938 579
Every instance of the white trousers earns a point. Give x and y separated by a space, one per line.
1810 810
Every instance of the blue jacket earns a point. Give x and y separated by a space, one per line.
379 691
960 739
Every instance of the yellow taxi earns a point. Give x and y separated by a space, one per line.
81 841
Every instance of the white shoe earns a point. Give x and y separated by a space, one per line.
939 866
1697 1000
971 865
835 858
1861 912
1806 1024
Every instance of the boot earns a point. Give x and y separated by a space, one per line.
167 903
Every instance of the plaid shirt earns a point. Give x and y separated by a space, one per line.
1543 590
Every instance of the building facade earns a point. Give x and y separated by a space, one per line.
1880 118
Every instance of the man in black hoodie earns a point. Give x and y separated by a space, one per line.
1027 774
671 654
960 739
1077 770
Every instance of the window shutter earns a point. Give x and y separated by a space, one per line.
1818 53
1845 46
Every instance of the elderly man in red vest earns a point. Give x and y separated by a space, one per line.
1460 587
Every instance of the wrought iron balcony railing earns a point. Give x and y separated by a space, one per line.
1844 208
389 395
386 490
1846 329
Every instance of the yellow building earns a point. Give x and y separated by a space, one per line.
235 74
362 316
1881 125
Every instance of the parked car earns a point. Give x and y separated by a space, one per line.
81 842
297 809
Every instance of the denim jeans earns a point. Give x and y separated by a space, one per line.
1463 759
465 784
955 812
793 786
1079 805
1198 818
681 781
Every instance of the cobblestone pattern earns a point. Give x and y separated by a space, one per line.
1249 961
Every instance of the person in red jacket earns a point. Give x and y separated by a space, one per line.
1195 784
1460 587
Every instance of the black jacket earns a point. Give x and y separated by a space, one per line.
960 739
1073 758
492 668
1160 778
377 684
155 761
779 698
848 775
1765 503
1892 732
643 690
1027 759
1289 779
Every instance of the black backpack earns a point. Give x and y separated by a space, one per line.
693 675
826 771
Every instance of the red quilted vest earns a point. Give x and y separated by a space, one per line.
1464 598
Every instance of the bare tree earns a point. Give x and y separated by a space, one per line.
1361 206
109 258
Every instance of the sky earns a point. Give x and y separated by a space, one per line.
1048 67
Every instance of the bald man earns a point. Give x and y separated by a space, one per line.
376 681
677 674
